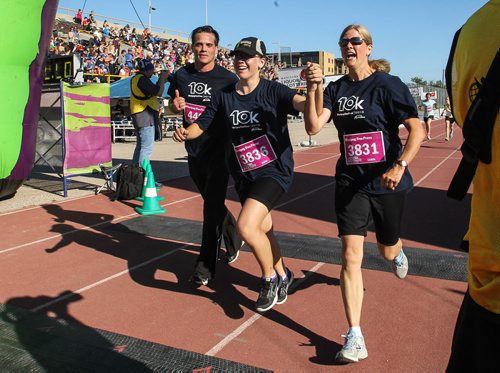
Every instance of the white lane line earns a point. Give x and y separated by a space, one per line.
116 220
306 194
104 280
435 167
245 325
218 347
318 161
22 209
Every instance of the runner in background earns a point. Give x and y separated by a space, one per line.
448 118
428 106
191 89
372 177
253 113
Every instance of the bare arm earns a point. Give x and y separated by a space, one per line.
416 135
313 121
315 115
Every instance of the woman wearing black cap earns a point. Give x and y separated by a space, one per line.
259 155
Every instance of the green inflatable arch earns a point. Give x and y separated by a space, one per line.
27 29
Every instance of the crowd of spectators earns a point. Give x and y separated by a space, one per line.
111 51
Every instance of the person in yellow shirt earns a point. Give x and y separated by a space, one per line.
473 86
144 108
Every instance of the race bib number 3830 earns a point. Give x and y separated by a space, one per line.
361 148
255 153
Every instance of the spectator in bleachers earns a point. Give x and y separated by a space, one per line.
129 58
107 42
124 72
120 60
78 17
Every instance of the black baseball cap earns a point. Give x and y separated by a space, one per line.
251 46
145 65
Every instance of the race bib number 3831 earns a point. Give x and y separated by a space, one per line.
255 153
361 148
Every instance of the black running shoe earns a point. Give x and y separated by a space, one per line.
268 295
232 256
200 279
201 274
283 289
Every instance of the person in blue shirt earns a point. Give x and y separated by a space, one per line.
253 114
372 178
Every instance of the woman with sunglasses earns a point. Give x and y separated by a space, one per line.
259 154
372 178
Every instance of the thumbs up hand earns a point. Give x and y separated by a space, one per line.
178 101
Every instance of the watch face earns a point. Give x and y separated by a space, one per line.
403 163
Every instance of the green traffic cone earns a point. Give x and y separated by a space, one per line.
144 186
148 170
150 205
145 165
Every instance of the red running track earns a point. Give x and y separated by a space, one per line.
134 285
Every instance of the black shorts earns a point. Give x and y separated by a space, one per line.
476 340
429 117
356 209
266 190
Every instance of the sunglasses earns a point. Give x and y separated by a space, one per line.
354 41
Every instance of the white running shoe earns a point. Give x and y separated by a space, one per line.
354 350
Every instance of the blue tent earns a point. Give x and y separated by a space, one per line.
121 88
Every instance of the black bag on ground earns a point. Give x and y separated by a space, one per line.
129 182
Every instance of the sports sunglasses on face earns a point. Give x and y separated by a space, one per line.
354 41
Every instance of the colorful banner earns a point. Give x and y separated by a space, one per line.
87 128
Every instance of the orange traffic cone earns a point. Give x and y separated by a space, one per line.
150 205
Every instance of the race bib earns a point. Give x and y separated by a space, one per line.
255 153
192 112
361 148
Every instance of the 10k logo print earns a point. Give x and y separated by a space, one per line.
244 117
350 103
199 89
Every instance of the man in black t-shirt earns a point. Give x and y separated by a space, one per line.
191 89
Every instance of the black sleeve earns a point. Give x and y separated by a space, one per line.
148 87
172 78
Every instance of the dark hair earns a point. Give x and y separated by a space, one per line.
208 29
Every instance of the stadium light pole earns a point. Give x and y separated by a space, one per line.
206 12
150 9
